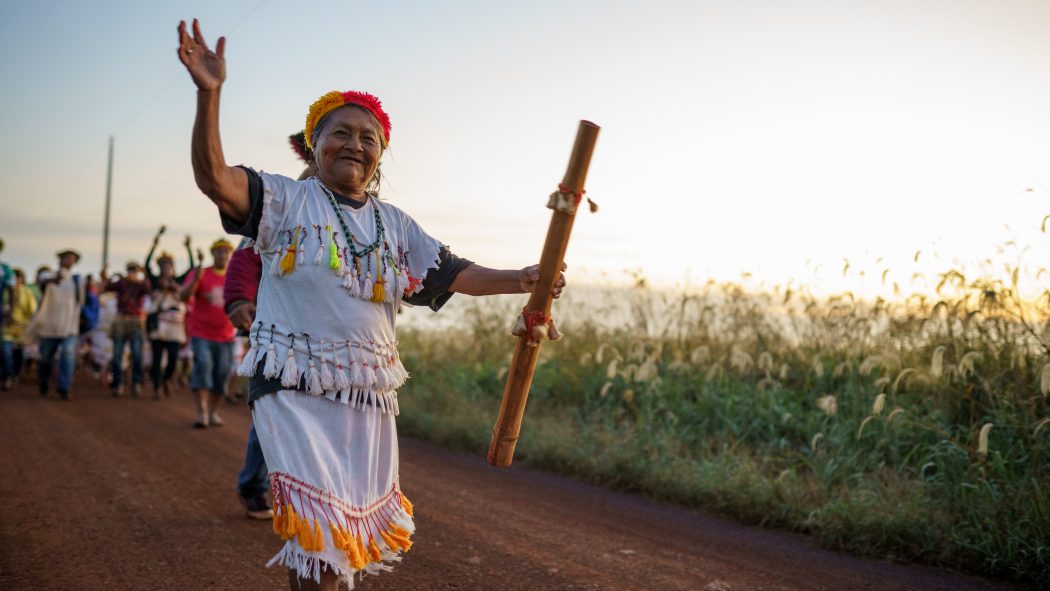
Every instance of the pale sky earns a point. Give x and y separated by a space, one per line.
762 137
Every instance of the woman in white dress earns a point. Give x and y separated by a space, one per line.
337 262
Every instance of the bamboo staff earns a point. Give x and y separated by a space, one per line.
535 323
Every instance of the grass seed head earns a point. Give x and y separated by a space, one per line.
937 363
880 403
829 404
1044 380
982 439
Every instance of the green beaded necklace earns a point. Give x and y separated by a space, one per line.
350 238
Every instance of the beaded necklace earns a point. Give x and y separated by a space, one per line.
350 238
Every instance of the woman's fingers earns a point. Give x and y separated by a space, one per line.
198 38
220 47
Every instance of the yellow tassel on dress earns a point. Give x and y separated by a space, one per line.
291 524
407 505
278 521
400 536
288 262
338 538
359 560
318 537
377 556
378 293
391 542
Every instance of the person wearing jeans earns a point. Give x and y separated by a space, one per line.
127 328
57 323
211 334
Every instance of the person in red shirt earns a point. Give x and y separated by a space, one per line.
211 334
127 327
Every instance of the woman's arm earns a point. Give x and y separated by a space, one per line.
226 186
476 280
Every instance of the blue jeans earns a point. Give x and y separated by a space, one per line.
8 350
211 365
252 481
127 331
67 360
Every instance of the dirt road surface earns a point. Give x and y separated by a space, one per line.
106 493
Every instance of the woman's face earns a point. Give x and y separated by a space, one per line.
167 269
348 148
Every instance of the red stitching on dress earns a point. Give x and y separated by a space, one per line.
322 496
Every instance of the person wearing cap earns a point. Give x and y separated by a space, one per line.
57 322
131 292
337 264
211 334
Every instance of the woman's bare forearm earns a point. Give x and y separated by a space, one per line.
476 280
226 186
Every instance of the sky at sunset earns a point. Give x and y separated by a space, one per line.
779 139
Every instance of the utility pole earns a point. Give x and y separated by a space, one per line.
109 190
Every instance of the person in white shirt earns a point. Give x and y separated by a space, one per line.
57 323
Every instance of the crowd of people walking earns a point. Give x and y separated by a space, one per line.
113 327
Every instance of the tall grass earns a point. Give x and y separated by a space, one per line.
916 428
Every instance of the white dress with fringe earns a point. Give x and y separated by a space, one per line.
325 327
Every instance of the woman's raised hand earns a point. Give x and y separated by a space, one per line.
206 67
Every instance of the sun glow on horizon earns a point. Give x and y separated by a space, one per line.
737 138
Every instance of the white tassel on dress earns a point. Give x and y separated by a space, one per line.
402 283
327 379
275 267
272 368
290 375
313 379
366 288
341 381
320 246
369 375
300 256
357 379
247 366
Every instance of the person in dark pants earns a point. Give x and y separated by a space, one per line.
166 324
242 287
242 284
127 327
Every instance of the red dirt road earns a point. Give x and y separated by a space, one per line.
104 493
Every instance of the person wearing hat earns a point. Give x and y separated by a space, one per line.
131 291
57 322
211 334
337 264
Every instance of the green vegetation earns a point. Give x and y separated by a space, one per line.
917 429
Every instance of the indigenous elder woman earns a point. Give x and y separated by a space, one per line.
324 362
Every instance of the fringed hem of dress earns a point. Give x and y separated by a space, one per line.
322 531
